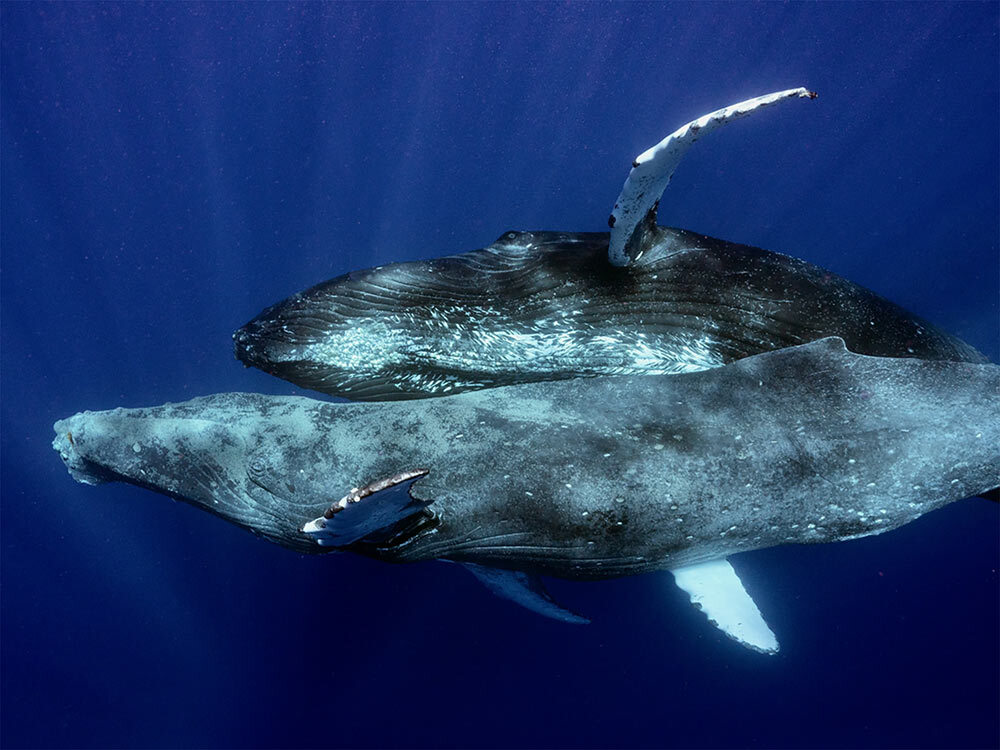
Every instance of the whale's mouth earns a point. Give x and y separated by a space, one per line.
70 451
264 342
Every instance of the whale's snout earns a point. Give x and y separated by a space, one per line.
283 334
118 445
249 344
265 339
72 435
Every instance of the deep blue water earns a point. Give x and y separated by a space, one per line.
168 170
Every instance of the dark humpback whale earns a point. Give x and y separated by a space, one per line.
541 306
586 479
537 306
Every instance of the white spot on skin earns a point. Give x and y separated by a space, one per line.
136 447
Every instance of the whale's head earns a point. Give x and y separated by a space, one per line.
215 458
439 327
331 340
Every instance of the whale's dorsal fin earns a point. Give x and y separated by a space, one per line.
364 510
652 170
524 589
717 591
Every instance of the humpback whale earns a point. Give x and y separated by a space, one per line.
585 479
545 306
537 306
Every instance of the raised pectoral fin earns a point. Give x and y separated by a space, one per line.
366 509
652 170
717 591
524 589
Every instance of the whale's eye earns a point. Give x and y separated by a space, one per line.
257 467
261 472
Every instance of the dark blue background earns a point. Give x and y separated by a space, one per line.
170 169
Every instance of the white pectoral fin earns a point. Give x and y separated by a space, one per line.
717 591
524 589
652 170
367 509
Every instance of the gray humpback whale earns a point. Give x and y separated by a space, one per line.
588 479
540 306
